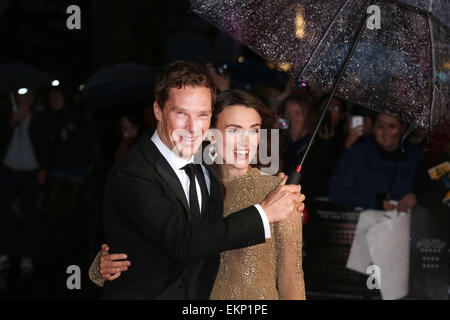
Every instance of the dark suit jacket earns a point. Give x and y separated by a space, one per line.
146 215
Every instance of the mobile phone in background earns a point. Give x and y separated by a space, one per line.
357 121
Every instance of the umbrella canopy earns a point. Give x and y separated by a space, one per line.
17 75
401 68
121 84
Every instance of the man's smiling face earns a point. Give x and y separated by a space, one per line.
184 120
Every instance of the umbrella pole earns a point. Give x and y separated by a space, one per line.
295 177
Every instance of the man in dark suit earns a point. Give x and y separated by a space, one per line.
167 212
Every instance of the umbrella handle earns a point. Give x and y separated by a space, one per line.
294 178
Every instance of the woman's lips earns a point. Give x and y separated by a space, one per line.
241 154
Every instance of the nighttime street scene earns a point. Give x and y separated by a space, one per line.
224 150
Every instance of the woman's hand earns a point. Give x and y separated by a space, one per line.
407 202
325 132
388 206
110 269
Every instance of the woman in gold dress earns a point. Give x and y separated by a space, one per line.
272 270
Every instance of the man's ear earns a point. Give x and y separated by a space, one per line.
157 111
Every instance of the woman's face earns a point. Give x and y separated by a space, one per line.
239 127
388 132
297 116
128 129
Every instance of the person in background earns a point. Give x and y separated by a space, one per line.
148 117
129 133
24 161
327 148
222 82
68 169
299 111
355 132
418 137
375 171
334 121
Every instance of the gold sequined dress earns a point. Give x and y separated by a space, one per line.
271 270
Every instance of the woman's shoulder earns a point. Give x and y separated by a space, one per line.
265 179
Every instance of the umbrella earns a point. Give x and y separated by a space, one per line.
14 76
120 84
318 40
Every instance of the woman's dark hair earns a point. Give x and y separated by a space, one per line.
241 98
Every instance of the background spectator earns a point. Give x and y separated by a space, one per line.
375 171
299 111
68 170
24 156
130 130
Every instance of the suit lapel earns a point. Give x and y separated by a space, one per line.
215 193
164 169
166 172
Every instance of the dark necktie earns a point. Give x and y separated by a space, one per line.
203 188
193 198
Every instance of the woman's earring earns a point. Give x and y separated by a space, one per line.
212 152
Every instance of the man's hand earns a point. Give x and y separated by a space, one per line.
111 269
282 200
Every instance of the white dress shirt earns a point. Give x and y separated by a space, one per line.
177 163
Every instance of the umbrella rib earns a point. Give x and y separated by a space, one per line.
324 36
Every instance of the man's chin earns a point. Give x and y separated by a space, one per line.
187 151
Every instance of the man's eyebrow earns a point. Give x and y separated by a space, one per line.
238 126
176 108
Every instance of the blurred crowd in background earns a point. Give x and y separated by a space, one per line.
56 149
